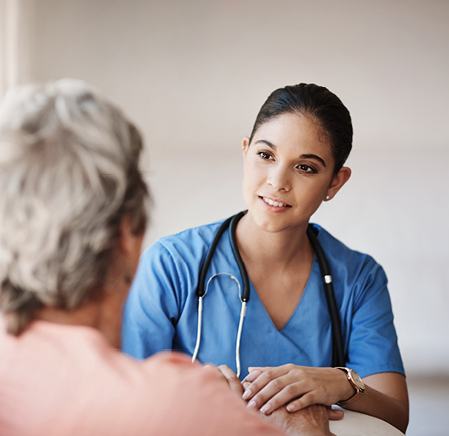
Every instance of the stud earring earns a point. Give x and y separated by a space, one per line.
327 197
128 278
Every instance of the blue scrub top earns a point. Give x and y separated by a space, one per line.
161 312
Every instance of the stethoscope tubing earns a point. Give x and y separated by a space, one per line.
338 356
240 327
244 275
210 254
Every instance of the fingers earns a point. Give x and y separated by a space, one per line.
311 421
277 393
335 414
332 414
258 378
254 382
280 384
253 374
228 376
267 389
232 379
285 396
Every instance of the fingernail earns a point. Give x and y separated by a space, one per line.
291 408
266 408
246 394
246 385
252 405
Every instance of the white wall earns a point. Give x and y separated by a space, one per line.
194 73
17 20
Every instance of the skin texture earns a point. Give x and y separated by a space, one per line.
106 314
309 421
281 384
270 388
289 161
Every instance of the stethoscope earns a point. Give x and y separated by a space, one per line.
337 341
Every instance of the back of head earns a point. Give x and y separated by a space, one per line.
68 174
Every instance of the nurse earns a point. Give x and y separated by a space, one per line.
293 161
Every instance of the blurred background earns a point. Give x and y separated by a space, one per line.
193 75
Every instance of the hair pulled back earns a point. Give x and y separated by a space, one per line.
321 106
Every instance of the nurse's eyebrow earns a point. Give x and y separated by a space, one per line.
303 156
264 141
313 156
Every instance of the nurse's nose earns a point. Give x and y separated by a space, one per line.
279 178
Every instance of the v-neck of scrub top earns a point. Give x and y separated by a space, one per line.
295 317
309 322
302 339
294 321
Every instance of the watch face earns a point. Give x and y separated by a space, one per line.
358 380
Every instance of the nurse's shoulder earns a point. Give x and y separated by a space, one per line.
348 266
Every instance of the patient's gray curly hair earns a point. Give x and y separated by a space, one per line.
68 174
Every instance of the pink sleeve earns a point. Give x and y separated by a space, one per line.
201 401
66 381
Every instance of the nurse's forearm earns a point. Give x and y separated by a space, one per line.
391 406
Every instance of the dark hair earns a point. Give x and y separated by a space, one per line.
318 103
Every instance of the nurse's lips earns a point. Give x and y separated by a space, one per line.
274 203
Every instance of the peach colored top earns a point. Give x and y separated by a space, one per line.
58 380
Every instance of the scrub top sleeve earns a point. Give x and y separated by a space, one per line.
152 307
373 344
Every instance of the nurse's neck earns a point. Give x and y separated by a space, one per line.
266 246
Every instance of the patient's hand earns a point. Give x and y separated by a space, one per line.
311 421
230 377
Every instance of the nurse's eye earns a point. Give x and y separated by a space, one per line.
264 155
304 168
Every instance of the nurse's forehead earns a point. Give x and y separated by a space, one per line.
291 127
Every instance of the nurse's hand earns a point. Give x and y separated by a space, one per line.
269 388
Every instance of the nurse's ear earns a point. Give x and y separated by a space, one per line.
245 145
338 181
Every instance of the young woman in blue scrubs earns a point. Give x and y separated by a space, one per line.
293 161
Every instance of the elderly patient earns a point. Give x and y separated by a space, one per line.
72 216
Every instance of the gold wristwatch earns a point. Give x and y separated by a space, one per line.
356 383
